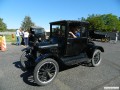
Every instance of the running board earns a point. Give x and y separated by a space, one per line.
76 59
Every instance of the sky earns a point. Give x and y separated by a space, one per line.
42 12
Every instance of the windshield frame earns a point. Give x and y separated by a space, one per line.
59 31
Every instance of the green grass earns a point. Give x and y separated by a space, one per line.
10 39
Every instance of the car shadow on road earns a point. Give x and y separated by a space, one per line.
28 77
17 64
27 74
65 67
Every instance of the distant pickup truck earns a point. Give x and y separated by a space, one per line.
97 35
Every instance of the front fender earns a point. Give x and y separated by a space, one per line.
26 49
41 57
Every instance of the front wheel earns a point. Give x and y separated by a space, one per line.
96 58
46 71
24 60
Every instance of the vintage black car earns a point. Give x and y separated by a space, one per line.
48 56
99 36
37 33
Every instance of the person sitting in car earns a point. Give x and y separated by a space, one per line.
74 33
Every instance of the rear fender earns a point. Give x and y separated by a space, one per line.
91 50
100 48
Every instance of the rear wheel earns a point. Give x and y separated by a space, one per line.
46 71
96 59
108 39
103 39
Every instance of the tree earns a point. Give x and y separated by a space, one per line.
111 22
96 22
27 23
3 26
105 22
82 19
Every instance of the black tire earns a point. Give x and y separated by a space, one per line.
96 58
46 71
24 60
108 39
103 39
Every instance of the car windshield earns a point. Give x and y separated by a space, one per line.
39 30
58 30
58 33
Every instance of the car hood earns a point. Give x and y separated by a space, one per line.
48 44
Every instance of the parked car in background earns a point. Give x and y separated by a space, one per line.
37 33
99 36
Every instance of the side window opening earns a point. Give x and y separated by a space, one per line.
74 32
83 31
58 30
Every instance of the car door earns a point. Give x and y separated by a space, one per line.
75 46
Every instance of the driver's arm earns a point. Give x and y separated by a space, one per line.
72 35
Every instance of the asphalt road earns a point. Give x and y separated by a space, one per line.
77 78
